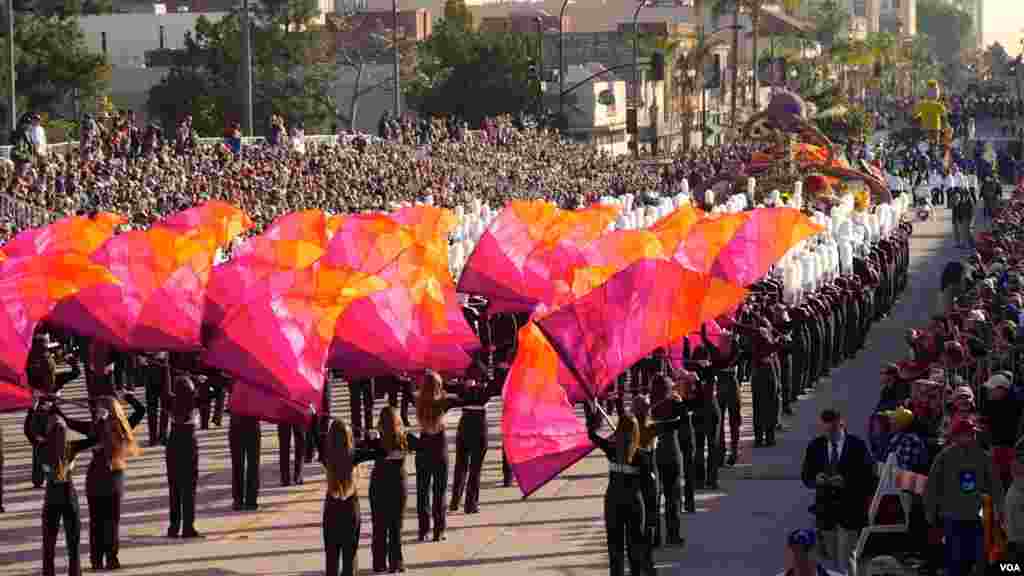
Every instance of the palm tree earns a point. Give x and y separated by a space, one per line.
754 8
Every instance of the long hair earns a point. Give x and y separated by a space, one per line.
57 447
341 481
627 436
429 408
117 435
642 411
392 434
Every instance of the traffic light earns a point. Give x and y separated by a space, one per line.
632 126
658 64
532 72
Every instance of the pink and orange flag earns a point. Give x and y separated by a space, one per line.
651 304
541 433
276 344
41 267
158 300
293 241
741 248
415 324
30 288
528 255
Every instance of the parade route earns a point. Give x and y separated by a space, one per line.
737 530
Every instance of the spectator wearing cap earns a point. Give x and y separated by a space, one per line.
800 557
958 478
1001 418
1013 521
909 448
838 466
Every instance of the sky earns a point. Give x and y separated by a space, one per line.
1004 20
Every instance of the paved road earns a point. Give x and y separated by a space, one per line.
558 531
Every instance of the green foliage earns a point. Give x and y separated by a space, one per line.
856 125
472 74
293 72
950 29
457 14
53 65
831 19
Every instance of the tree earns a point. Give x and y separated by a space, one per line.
948 27
457 14
831 19
471 74
293 73
355 52
53 65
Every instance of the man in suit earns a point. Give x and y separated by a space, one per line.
839 468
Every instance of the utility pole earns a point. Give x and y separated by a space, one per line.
735 61
394 46
247 120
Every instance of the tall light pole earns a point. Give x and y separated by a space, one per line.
10 58
702 55
540 67
637 91
396 80
247 120
561 60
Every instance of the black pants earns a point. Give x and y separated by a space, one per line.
506 469
669 466
766 402
211 394
685 435
285 434
37 467
387 510
61 504
156 412
361 402
707 427
244 438
729 398
182 457
105 492
341 535
470 449
432 482
651 516
624 525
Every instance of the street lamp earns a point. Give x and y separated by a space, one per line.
703 91
540 68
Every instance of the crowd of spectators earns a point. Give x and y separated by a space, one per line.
136 173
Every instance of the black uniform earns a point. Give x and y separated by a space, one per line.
387 504
671 462
211 396
157 378
361 397
723 368
285 435
182 460
471 445
244 437
60 504
342 523
624 514
707 429
764 385
42 375
104 489
432 480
